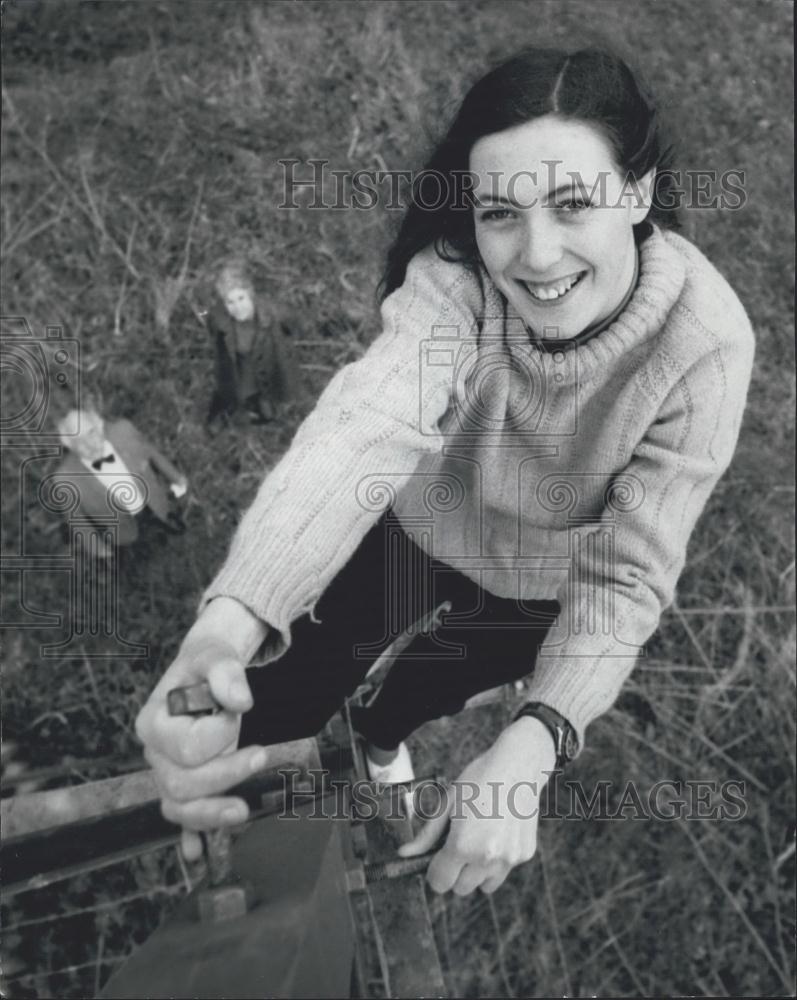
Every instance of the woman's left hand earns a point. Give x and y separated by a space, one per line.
493 809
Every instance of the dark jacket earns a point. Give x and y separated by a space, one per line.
141 458
268 371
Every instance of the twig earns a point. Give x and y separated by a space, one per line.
92 679
786 572
615 943
354 139
735 905
717 622
94 211
706 741
187 880
614 938
98 964
95 220
693 638
616 891
15 228
761 609
672 690
438 909
722 686
117 313
665 666
500 950
12 245
69 970
709 991
603 945
600 989
473 914
727 535
775 897
169 292
111 904
784 856
555 925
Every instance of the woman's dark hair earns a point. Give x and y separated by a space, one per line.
590 85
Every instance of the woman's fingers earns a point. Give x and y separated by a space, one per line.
183 784
469 878
228 684
191 845
495 880
452 871
207 813
189 741
444 870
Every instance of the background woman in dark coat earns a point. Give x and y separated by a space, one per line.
254 364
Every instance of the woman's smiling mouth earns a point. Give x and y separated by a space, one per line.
553 290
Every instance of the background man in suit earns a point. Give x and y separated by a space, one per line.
118 474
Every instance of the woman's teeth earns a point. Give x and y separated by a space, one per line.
547 292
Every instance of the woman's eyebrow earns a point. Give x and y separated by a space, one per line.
485 199
570 188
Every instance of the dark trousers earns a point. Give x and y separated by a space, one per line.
387 585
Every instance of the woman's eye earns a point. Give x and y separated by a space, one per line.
573 205
495 215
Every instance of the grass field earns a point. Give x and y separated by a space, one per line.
140 146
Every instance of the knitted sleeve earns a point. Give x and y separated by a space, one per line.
624 573
376 416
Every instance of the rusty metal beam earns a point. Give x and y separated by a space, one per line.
111 829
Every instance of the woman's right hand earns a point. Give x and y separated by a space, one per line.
195 760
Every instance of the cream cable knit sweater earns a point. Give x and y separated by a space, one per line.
576 474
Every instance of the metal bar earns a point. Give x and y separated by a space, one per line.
22 815
410 962
36 859
25 814
73 767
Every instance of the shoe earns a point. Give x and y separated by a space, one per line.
397 771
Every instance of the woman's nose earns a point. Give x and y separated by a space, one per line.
541 249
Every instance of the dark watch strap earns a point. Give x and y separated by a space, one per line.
564 736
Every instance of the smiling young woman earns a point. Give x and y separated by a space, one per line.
557 388
562 258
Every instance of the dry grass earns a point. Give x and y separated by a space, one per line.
140 147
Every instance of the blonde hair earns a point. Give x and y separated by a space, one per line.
234 274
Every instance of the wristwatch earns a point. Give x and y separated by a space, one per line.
564 736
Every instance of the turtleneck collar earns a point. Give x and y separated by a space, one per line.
662 272
553 344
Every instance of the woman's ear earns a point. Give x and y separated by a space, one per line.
640 190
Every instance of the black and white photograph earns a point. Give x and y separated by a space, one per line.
397 449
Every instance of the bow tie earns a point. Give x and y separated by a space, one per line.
98 464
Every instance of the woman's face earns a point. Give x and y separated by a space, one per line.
554 221
239 304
